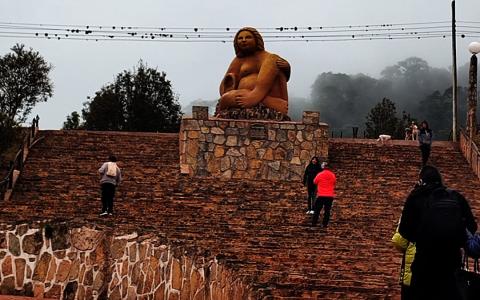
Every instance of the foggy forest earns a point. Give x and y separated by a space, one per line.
417 89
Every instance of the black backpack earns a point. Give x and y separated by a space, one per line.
442 223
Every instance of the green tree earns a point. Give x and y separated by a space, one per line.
24 81
73 121
412 80
437 110
138 100
343 99
105 111
382 119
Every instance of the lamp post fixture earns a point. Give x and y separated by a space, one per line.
474 48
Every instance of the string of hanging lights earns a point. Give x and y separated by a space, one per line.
388 31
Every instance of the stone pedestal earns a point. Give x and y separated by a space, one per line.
250 149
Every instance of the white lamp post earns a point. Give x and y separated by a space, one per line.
474 48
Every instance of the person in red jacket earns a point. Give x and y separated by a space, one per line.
325 182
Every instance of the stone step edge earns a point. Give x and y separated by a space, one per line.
391 142
134 133
8 297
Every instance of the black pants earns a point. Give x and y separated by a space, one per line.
433 278
425 148
406 292
312 195
319 203
108 192
440 287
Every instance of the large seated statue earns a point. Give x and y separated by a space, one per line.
255 84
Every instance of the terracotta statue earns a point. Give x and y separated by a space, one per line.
255 77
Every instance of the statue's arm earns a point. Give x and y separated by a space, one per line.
230 80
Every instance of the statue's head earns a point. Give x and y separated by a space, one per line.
239 51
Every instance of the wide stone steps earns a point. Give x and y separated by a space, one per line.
258 228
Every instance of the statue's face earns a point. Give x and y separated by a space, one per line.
246 42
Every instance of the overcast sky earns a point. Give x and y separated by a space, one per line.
196 69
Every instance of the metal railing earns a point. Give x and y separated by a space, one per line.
17 163
470 152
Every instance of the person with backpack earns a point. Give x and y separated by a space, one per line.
435 219
311 172
110 178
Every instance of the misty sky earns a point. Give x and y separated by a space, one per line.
195 69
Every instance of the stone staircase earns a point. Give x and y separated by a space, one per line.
257 228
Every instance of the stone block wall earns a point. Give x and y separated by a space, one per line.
250 149
84 263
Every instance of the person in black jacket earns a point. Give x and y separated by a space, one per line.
434 265
311 171
425 141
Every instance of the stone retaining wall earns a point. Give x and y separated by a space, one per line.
84 263
250 149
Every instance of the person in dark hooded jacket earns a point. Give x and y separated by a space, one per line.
434 266
311 171
425 141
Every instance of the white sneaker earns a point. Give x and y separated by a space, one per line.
103 213
310 212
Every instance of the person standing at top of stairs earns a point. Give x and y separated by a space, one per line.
425 141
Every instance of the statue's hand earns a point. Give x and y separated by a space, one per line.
246 99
